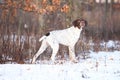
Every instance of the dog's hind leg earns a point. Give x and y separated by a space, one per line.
43 47
55 48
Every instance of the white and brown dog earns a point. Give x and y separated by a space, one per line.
67 37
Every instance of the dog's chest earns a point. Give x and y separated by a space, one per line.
75 34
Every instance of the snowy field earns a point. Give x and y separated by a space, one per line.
99 66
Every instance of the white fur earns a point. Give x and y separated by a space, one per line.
67 37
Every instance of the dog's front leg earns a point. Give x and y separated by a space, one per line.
72 54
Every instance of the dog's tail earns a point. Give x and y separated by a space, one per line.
42 38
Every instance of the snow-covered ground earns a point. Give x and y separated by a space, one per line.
99 66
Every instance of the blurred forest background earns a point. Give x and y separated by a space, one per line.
23 22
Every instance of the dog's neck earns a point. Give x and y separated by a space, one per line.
80 29
76 30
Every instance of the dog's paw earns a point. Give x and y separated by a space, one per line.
74 60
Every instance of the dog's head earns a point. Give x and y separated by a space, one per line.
79 23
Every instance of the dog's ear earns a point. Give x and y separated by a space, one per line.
76 23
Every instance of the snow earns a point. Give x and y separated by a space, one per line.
110 44
99 66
